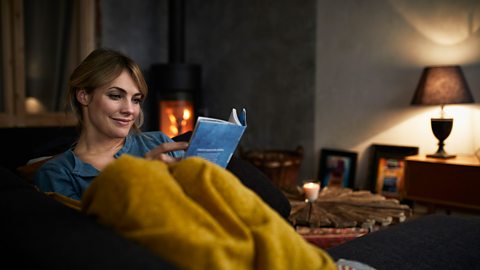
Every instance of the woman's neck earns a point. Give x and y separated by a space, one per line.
95 145
98 152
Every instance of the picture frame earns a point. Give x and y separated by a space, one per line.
387 168
337 168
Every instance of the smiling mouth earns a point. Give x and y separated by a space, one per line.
122 122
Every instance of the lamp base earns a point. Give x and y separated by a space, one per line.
441 155
441 128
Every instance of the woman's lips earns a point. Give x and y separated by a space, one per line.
122 122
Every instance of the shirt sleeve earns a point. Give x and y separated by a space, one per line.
162 138
51 178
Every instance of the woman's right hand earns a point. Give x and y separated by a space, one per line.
160 152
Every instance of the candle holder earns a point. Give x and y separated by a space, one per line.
310 205
311 189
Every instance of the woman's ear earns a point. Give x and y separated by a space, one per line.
83 97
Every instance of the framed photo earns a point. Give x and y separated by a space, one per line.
337 168
387 168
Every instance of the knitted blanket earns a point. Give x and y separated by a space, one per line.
197 215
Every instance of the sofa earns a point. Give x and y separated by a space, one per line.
41 232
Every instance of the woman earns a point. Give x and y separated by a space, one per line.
106 92
158 204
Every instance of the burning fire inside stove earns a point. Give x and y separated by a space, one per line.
176 117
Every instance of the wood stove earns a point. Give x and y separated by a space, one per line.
176 83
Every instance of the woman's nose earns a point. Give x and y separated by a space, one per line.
127 107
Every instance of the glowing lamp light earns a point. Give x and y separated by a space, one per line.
441 85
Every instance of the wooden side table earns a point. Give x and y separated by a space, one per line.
341 214
451 182
345 208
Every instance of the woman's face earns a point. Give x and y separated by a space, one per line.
111 110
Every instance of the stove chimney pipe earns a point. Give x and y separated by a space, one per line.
177 83
176 33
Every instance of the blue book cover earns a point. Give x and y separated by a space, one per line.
215 139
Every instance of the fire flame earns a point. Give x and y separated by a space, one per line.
175 117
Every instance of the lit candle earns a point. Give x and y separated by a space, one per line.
311 190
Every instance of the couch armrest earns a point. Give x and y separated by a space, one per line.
428 242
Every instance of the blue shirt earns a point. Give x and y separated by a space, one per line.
68 175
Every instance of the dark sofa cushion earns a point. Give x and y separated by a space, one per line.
259 183
9 180
429 242
39 233
23 144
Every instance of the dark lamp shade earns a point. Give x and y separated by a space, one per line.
442 85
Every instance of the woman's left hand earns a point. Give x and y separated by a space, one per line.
160 152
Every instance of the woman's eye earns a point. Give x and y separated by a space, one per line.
137 100
114 96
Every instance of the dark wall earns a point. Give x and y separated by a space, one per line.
256 54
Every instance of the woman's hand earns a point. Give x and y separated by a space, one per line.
160 152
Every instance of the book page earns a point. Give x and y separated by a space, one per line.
238 119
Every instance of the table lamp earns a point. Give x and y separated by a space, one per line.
441 85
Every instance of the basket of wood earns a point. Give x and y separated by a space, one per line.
281 166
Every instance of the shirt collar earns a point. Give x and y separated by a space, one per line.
81 168
126 146
84 169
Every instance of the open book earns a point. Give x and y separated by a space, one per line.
215 139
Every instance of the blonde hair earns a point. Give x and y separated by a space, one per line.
99 68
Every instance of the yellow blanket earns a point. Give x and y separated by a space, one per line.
197 215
